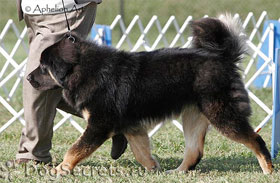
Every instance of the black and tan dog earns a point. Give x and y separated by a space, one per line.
124 92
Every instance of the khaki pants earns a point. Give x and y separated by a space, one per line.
40 106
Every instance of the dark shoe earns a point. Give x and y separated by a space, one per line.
21 161
36 162
25 160
119 145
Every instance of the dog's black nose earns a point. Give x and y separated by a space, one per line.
29 77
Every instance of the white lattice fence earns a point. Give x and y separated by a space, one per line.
12 70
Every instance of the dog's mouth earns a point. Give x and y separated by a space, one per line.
42 81
31 80
35 84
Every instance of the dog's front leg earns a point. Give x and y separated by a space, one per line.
140 145
92 138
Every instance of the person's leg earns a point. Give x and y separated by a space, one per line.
40 107
39 112
44 31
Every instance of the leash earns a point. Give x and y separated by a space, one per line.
68 26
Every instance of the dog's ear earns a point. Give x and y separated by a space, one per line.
67 50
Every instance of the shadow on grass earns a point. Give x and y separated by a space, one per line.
123 162
235 163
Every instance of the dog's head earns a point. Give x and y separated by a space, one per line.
56 65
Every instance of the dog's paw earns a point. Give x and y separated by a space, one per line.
175 171
62 170
154 166
268 171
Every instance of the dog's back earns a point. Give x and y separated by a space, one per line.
171 78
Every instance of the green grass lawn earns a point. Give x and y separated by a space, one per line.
223 161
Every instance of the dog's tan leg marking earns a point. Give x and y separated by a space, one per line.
195 126
254 145
86 114
140 146
72 158
80 150
266 166
236 126
74 155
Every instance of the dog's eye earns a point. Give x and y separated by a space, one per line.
43 69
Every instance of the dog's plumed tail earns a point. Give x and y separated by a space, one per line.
223 36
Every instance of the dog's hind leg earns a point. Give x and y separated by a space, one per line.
140 145
92 138
195 126
230 116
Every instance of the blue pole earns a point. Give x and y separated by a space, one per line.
275 141
107 37
265 49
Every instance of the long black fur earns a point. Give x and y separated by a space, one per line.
132 87
126 90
